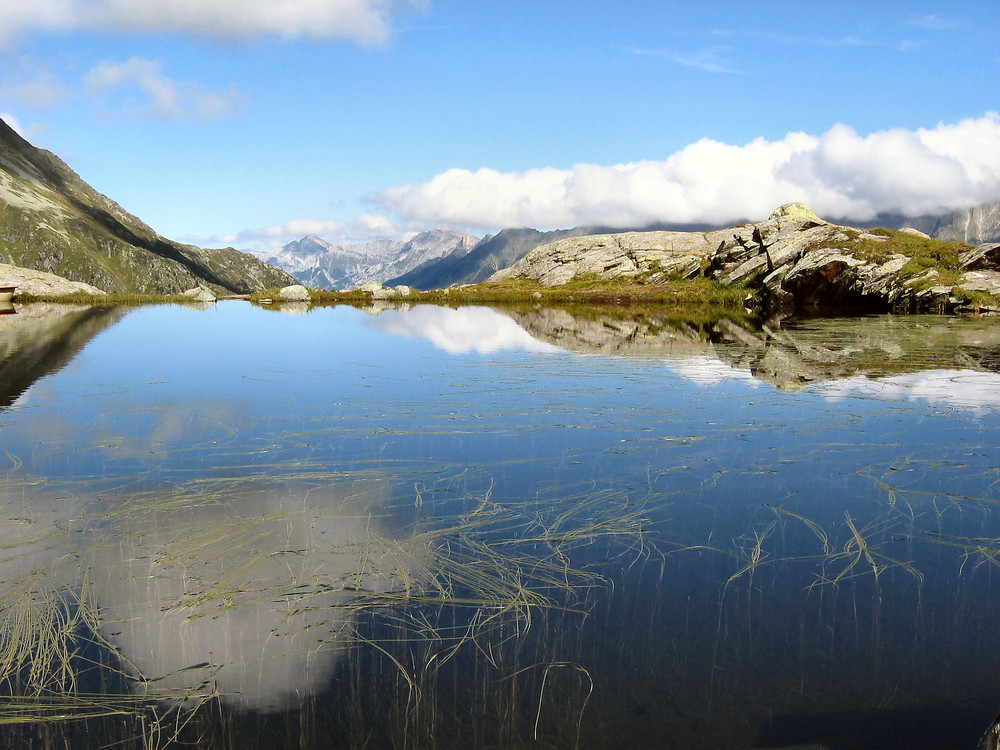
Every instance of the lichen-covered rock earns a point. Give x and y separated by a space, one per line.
798 213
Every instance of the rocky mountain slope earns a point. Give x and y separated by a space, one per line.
321 265
976 225
490 255
51 220
792 259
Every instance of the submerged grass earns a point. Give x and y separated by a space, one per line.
206 552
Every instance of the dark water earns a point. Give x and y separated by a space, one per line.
442 528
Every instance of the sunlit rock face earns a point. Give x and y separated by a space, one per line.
249 596
653 255
792 259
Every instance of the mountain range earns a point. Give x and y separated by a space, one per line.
51 220
316 263
976 225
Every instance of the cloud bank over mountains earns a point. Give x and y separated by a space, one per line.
840 173
366 22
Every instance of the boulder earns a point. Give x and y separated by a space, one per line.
797 213
200 294
293 293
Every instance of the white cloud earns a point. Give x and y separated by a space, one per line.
138 87
959 388
934 22
708 60
33 85
362 21
705 370
840 173
364 228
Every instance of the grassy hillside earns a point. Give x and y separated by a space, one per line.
52 220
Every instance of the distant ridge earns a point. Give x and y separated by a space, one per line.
976 225
316 263
51 220
492 254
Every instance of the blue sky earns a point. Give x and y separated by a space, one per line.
231 122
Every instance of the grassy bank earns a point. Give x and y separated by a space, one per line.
677 295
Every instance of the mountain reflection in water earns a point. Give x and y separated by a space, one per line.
435 527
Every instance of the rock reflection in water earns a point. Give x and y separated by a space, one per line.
791 354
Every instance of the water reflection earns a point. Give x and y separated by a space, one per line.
249 597
837 356
41 339
470 528
470 329
245 592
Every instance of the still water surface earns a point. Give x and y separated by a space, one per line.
444 528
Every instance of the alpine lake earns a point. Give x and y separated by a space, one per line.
433 527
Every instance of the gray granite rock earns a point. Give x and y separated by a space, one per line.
42 284
293 293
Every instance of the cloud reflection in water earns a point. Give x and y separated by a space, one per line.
471 329
961 388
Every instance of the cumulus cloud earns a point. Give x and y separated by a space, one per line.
138 87
362 21
842 174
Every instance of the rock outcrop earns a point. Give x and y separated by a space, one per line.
377 291
43 284
793 259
